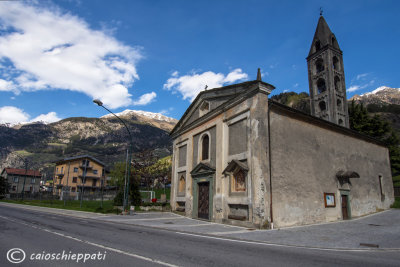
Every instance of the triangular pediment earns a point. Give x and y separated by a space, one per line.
202 169
235 164
212 101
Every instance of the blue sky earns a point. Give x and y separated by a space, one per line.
56 56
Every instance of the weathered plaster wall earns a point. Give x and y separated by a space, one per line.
305 160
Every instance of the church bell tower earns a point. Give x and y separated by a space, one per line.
326 77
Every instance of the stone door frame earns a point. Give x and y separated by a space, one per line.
195 194
345 193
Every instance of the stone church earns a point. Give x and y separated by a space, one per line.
242 159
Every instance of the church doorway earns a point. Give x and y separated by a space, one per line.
204 200
345 212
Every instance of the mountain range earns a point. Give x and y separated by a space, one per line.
104 138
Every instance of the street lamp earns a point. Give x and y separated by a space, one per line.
130 149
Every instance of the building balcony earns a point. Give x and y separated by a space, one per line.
89 176
88 167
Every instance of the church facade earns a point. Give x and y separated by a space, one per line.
242 159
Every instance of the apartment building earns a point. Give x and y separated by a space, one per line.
74 173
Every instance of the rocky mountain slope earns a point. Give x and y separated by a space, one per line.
382 96
104 138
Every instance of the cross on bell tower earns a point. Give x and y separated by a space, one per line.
326 77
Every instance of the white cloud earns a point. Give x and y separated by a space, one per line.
235 75
361 76
47 118
145 99
13 115
353 88
166 111
190 85
7 86
50 49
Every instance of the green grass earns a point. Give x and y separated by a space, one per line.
396 204
91 206
396 180
158 192
57 144
23 153
161 191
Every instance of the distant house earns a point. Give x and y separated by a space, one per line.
71 174
21 179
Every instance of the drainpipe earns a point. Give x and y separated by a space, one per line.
270 170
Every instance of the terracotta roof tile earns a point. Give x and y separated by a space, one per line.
22 172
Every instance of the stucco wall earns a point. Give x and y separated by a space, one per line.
305 160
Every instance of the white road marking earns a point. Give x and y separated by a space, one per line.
290 246
147 219
93 244
212 223
230 232
189 225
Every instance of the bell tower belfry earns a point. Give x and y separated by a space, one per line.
326 77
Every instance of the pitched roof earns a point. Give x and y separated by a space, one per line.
233 164
22 172
323 34
80 157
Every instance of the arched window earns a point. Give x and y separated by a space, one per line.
317 46
339 103
321 86
319 65
322 105
205 147
335 62
337 83
340 122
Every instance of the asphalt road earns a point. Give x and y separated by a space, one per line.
41 235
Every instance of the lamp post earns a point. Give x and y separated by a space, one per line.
130 149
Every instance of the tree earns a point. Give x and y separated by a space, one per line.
4 187
378 128
117 175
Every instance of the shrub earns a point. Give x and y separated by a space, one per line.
119 199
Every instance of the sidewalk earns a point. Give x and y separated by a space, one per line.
380 229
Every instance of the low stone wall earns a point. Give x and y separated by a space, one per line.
155 208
